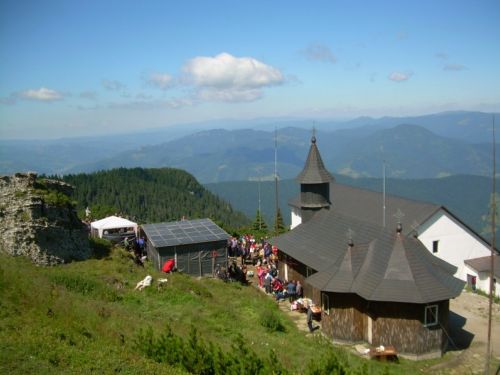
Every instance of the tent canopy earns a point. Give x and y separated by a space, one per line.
112 222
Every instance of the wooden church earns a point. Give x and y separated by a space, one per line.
375 284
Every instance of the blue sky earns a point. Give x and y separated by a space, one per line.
71 68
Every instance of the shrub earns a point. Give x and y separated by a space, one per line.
196 357
86 287
271 320
101 248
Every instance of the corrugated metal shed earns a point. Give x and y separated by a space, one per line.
196 245
184 232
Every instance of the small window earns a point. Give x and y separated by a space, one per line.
431 316
309 271
435 247
325 303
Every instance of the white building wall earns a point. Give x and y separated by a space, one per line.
482 280
296 218
456 242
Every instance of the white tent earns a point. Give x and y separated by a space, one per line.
112 223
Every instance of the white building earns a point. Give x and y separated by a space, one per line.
478 273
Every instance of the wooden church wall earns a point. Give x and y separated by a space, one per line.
402 325
345 320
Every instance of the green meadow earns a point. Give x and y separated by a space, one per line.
86 317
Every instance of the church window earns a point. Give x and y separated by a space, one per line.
431 316
325 303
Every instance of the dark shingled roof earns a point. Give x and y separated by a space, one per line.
314 171
368 206
483 264
391 268
381 266
184 232
320 241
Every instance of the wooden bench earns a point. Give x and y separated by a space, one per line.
388 353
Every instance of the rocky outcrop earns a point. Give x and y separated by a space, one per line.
37 220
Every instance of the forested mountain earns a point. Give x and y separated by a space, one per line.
466 196
150 195
410 151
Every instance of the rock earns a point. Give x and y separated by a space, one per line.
37 220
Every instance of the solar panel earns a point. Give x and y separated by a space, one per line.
184 232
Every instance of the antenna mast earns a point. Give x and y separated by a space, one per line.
383 193
260 212
276 179
492 262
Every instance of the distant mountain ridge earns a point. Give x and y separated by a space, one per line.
409 151
413 147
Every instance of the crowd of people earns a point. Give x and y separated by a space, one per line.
264 256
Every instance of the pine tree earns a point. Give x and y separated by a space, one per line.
486 230
279 225
259 223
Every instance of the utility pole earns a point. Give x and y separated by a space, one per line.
492 257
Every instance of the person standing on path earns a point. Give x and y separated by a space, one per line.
310 318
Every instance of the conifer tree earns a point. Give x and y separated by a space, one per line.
259 223
279 225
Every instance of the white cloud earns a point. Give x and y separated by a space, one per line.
91 95
320 52
42 94
454 67
113 85
9 100
162 81
441 55
402 35
229 95
399 76
228 78
173 103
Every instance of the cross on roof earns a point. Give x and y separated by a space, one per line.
350 234
399 215
415 226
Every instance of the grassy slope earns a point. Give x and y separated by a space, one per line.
84 317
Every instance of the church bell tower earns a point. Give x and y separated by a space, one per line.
314 187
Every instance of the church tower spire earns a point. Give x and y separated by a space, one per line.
314 184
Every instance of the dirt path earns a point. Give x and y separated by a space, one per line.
468 330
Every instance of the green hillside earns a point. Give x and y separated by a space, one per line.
466 196
150 195
85 317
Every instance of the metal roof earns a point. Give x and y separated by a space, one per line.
314 171
184 232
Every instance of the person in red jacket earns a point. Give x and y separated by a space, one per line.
168 266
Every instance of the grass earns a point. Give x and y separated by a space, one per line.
85 317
